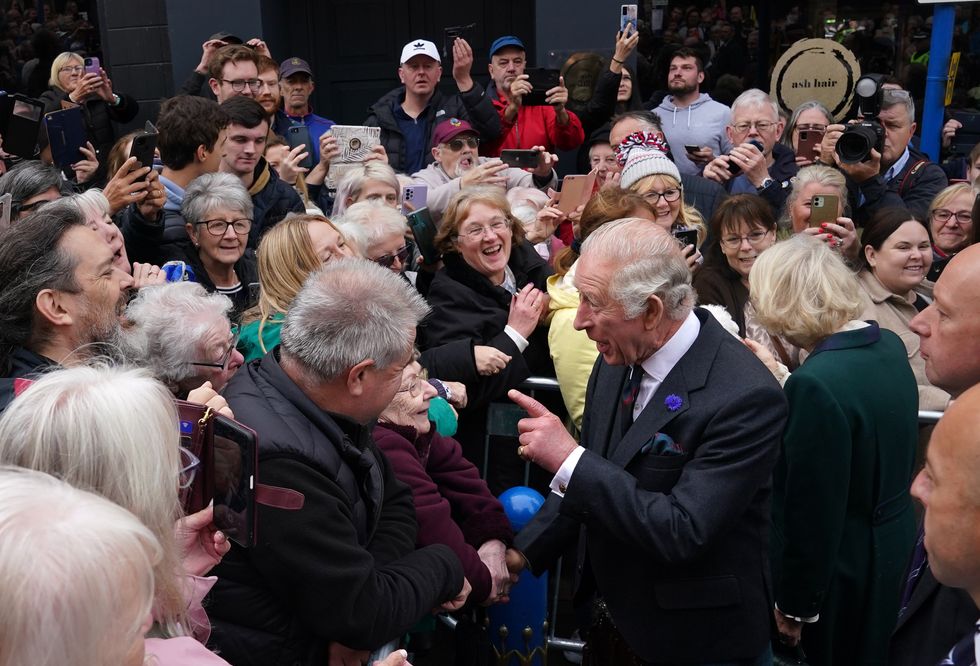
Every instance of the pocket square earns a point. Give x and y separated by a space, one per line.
662 445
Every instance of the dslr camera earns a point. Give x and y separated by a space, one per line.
858 140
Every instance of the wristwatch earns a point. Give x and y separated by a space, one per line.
766 183
116 99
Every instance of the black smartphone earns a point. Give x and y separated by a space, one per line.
66 135
691 148
144 149
424 232
299 135
735 169
520 158
449 35
543 80
233 467
686 236
23 126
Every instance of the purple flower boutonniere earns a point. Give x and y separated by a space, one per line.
673 402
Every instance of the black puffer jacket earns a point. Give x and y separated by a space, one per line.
343 567
473 105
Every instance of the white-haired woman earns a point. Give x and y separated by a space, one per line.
371 181
217 212
71 85
840 489
115 432
182 335
822 181
378 231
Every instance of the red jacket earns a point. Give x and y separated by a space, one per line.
453 505
535 126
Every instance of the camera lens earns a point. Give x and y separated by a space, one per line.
855 144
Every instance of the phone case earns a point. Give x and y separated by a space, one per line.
22 126
543 80
299 135
234 462
575 191
66 135
144 149
823 208
424 232
519 158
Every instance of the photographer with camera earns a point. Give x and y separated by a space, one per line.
758 163
873 151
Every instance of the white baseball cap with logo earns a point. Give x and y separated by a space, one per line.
419 47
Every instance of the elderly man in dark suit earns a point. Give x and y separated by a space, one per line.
671 485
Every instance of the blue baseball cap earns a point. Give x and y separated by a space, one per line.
506 40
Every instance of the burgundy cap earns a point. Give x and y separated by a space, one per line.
447 130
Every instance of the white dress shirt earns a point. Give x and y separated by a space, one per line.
655 369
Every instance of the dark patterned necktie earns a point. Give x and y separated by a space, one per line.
630 392
963 653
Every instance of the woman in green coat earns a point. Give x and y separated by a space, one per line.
842 515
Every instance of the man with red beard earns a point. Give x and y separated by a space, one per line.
455 144
408 115
61 297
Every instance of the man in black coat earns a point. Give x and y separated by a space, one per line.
933 616
407 115
335 573
671 486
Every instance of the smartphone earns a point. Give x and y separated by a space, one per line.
5 212
809 139
686 236
691 148
22 126
627 17
735 169
414 196
575 191
823 208
299 135
543 80
144 149
66 135
424 232
92 65
233 464
520 158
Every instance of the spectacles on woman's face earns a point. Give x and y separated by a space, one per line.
388 260
755 239
226 358
670 196
943 215
189 463
72 69
478 231
415 384
219 227
238 85
811 127
456 145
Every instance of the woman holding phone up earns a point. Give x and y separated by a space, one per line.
835 229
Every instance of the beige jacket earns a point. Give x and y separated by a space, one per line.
895 313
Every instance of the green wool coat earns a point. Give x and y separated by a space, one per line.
843 526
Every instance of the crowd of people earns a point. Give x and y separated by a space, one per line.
744 328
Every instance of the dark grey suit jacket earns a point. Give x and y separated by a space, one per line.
677 545
936 618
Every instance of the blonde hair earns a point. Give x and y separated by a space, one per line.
113 432
285 260
950 193
459 207
687 216
61 60
76 574
803 290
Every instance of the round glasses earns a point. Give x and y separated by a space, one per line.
670 196
388 260
943 215
476 232
219 227
755 239
238 85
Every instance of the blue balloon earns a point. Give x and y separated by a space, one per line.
520 505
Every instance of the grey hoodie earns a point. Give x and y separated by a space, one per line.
701 124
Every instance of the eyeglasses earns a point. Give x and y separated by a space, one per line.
388 260
670 196
809 127
755 239
223 363
456 145
219 227
943 215
415 385
74 69
761 125
188 468
238 85
477 232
